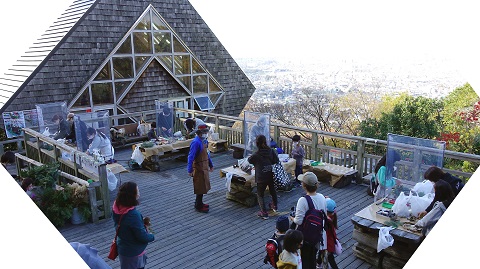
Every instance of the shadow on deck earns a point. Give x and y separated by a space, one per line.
229 236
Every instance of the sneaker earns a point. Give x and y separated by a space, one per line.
262 214
203 205
272 207
202 209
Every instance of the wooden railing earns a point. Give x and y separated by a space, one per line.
40 149
350 151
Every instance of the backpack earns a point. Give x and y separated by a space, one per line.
273 247
313 224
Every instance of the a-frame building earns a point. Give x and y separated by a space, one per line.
121 56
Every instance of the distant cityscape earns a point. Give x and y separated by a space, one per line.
279 80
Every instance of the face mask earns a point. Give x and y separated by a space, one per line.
295 143
204 136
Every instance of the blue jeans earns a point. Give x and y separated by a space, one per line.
298 171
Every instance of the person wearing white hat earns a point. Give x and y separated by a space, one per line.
310 185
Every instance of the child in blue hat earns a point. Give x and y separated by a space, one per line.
331 228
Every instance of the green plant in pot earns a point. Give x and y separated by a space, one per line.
79 200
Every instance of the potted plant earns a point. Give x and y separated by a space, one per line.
80 203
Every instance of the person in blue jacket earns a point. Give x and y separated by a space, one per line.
198 167
133 236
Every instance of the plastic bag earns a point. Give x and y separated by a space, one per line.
143 128
46 132
338 247
419 204
401 206
112 180
423 187
137 156
385 240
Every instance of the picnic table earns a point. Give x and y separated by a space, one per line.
153 155
366 223
338 176
242 184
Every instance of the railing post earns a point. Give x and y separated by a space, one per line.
276 133
314 146
360 159
217 125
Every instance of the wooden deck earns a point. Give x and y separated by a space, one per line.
229 236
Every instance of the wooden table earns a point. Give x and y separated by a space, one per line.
366 223
338 176
242 186
154 154
218 145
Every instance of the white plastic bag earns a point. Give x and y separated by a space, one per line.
112 180
423 187
137 156
46 132
419 204
401 206
385 240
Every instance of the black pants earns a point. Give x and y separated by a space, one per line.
261 187
309 256
199 201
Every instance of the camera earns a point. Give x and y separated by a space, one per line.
292 211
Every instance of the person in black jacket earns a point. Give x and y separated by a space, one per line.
434 174
63 127
263 160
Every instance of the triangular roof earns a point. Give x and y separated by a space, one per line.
79 57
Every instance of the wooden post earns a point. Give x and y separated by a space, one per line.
102 177
360 159
92 196
314 146
276 133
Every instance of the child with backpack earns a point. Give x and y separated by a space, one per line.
291 257
274 245
331 228
310 219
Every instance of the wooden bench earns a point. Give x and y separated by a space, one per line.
126 135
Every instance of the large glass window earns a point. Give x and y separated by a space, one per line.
151 37
142 42
122 67
102 93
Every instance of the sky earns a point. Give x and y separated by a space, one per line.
333 30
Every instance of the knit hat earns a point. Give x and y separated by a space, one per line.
331 205
203 128
282 224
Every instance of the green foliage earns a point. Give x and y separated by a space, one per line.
413 116
56 205
44 176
